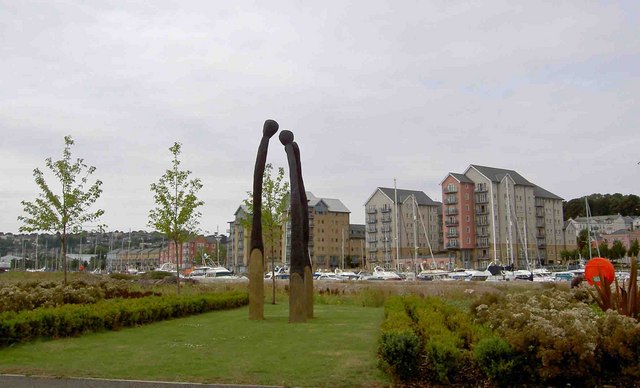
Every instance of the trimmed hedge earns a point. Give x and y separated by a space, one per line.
74 320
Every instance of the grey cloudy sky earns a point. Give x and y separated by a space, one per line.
373 90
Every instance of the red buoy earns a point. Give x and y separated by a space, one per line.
597 269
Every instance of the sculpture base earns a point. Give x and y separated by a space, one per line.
256 285
308 291
297 299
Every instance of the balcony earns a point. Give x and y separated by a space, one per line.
371 210
539 223
450 189
386 218
451 221
372 239
371 220
482 221
386 209
373 249
482 233
539 202
480 189
482 210
386 229
452 234
539 212
482 244
453 245
372 229
451 201
481 199
451 211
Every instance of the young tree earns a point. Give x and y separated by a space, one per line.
175 214
69 210
275 192
634 248
617 250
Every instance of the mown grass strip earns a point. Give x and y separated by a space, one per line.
335 349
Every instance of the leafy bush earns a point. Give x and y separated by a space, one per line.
443 357
400 354
496 358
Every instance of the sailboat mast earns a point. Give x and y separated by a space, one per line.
588 210
509 222
395 198
415 233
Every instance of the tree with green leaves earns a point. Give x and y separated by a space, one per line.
176 199
68 210
617 250
634 249
275 194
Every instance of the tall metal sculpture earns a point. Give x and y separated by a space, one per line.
256 257
300 279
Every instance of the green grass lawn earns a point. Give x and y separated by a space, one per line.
336 348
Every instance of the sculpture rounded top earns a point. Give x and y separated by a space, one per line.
270 128
286 137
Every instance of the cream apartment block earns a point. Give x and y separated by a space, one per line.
331 239
329 233
496 215
402 228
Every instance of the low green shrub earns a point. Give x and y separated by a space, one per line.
443 356
427 339
400 354
496 358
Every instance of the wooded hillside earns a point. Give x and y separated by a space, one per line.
602 205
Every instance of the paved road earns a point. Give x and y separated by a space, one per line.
17 381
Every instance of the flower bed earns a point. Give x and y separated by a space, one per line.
539 337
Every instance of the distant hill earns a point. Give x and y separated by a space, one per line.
602 205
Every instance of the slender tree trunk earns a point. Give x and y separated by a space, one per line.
63 240
177 265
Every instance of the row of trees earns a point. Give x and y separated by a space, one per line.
70 210
616 252
602 205
176 213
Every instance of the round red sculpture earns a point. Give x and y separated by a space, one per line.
597 269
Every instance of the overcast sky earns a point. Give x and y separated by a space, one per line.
373 90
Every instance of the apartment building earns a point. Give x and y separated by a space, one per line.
331 239
356 249
496 215
402 228
602 224
189 252
329 232
238 245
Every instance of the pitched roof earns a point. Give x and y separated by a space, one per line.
461 177
421 198
497 174
333 205
542 193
